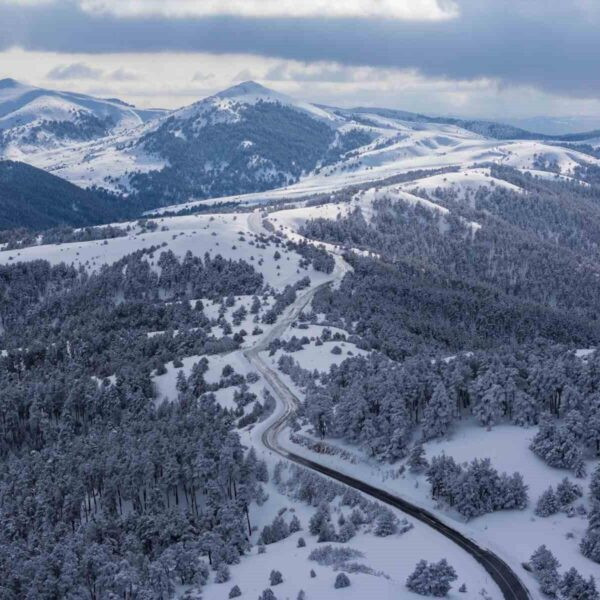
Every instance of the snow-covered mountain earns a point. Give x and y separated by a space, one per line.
34 119
250 139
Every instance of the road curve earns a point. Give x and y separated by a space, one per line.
505 578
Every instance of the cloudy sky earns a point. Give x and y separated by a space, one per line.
491 58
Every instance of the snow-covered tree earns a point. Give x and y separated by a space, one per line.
590 544
438 414
567 492
386 523
417 463
573 586
545 568
431 579
547 504
341 581
489 408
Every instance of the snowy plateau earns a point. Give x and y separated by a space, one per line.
334 344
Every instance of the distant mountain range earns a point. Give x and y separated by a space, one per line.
250 139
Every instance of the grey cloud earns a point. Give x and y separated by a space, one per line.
74 71
335 74
245 75
122 74
199 76
551 46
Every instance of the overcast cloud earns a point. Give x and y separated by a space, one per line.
540 54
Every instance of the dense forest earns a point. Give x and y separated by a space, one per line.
104 492
34 199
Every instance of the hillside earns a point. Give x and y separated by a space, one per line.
251 139
33 119
34 199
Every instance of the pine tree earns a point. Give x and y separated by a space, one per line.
545 568
319 518
386 523
432 579
547 504
235 592
567 492
573 586
524 409
417 462
438 414
488 410
347 532
595 485
222 574
295 525
341 581
275 578
590 544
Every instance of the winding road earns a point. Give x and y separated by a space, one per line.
505 578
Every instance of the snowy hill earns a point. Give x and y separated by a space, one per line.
34 119
249 139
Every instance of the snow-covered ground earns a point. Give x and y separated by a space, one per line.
394 556
513 535
230 235
418 151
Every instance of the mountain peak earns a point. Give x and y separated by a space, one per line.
248 88
8 83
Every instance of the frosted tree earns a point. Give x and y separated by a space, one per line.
545 568
347 532
443 474
595 485
319 519
556 444
513 492
547 504
222 574
295 524
592 425
524 409
417 463
567 492
438 414
235 592
573 586
574 425
431 579
320 414
327 532
489 408
571 399
386 523
275 578
590 544
341 581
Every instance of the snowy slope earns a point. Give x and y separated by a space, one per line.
211 148
230 235
248 93
34 119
